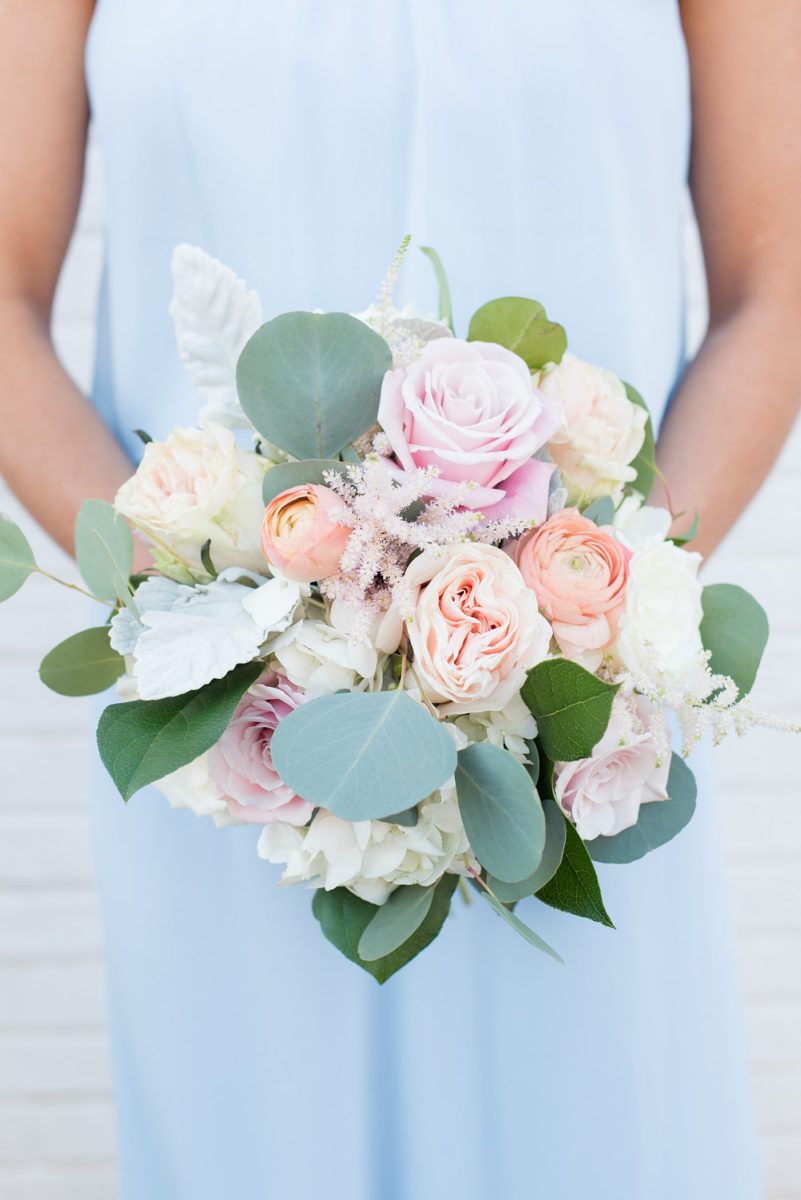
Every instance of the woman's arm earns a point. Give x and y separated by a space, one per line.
54 450
740 397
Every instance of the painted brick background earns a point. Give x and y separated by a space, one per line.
56 1126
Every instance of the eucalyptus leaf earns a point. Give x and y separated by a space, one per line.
83 664
144 740
16 558
445 310
645 462
574 888
520 927
344 918
571 706
501 811
363 755
407 818
659 820
310 382
104 550
735 629
555 834
395 921
522 326
294 474
601 511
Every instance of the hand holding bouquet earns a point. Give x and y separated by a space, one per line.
410 614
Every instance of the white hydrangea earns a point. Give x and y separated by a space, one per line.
321 659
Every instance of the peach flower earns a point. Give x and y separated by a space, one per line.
299 535
579 574
475 628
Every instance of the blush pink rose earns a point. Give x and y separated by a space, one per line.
241 763
474 627
602 795
470 410
299 535
579 574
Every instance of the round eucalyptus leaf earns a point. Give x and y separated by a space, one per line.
16 558
735 629
501 811
363 756
555 833
395 921
310 382
522 326
293 474
659 820
104 550
83 664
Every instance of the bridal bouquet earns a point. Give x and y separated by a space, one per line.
409 612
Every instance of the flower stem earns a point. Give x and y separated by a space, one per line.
74 587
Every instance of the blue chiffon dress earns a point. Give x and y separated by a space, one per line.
542 148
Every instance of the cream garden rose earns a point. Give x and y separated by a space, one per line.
198 485
603 431
474 626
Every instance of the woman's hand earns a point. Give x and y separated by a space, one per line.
54 449
740 397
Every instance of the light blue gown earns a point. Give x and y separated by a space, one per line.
541 147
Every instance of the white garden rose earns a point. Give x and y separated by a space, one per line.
636 523
195 486
192 787
659 635
603 431
321 659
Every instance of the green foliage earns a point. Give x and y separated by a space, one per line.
658 822
645 462
445 310
601 511
83 664
735 629
363 755
144 740
571 706
407 818
555 833
574 888
501 811
344 918
522 326
16 558
310 382
395 921
293 474
104 550
519 926
681 539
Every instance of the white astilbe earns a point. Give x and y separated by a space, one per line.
372 566
404 330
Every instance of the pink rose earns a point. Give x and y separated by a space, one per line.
475 628
602 794
241 764
579 575
470 410
299 535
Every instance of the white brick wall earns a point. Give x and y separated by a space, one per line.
56 1129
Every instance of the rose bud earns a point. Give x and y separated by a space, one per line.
299 535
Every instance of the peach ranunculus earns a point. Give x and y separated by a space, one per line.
579 575
299 535
474 627
470 410
241 764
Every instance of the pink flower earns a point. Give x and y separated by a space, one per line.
579 575
299 535
470 410
474 628
602 794
241 764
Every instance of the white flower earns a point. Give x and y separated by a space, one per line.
322 659
508 728
636 523
192 787
187 636
658 634
195 486
370 858
603 432
404 330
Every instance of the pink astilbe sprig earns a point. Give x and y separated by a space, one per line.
391 521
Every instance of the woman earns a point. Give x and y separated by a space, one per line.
543 149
